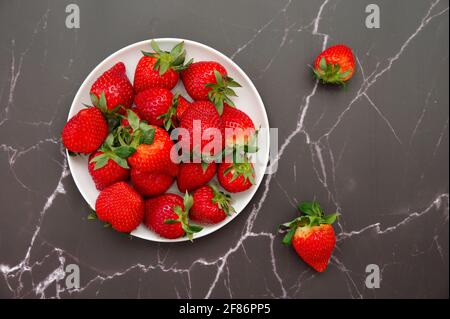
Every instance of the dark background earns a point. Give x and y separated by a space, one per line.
377 151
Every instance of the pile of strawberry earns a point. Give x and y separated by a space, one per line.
127 129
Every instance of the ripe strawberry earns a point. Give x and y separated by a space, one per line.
85 131
206 131
335 65
156 106
116 87
159 69
211 206
182 106
312 235
105 171
167 215
239 127
149 184
194 175
209 80
236 177
121 206
154 156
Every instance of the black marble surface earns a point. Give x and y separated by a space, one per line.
376 151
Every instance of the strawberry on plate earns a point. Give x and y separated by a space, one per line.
205 128
154 155
211 206
105 171
208 80
85 131
236 177
182 105
239 127
157 106
121 206
159 69
149 184
167 215
194 175
115 85
335 65
312 235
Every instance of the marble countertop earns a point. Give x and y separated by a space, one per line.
376 151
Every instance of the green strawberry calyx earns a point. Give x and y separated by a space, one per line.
140 133
222 200
221 91
112 116
170 114
111 151
183 217
329 73
313 216
122 142
244 169
166 60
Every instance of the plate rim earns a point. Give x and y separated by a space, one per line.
208 48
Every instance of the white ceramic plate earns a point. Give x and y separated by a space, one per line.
248 100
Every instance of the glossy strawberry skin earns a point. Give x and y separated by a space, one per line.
340 55
153 103
183 105
85 132
118 89
155 157
238 125
150 185
240 184
145 77
121 206
315 245
206 116
107 175
204 210
160 209
197 75
191 176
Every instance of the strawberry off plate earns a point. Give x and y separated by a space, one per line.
248 100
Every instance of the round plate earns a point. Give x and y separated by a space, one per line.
248 100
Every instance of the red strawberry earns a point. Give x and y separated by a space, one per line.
159 69
148 184
85 131
312 235
167 215
335 65
239 127
194 175
156 106
205 128
236 177
154 157
105 171
209 80
116 87
121 206
211 206
182 106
